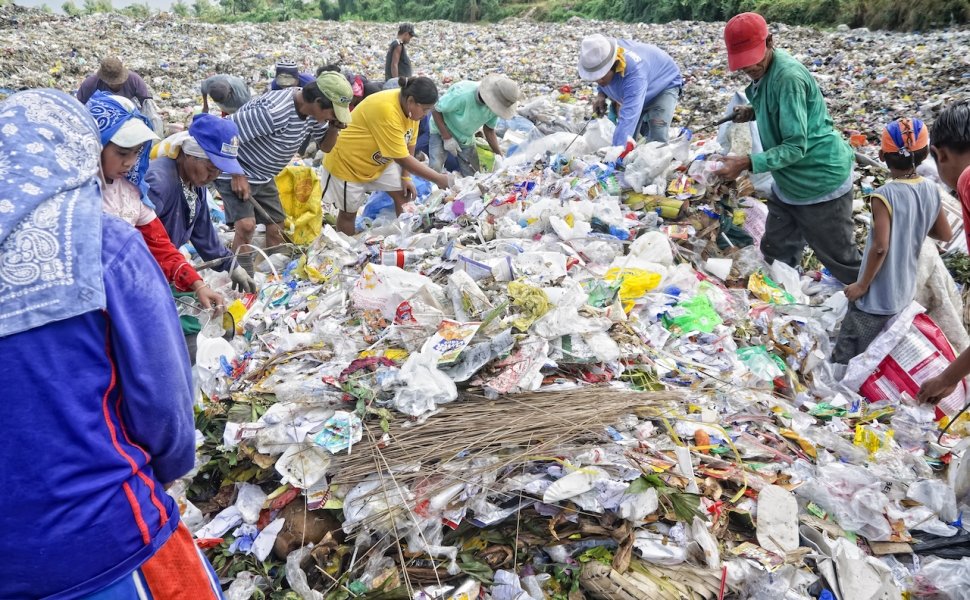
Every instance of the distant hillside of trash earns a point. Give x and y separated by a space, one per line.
874 14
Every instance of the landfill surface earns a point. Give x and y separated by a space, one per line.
572 376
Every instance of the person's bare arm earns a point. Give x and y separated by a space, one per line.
395 59
329 139
941 229
492 140
439 120
881 228
409 164
937 388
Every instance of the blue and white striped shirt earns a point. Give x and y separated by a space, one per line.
271 131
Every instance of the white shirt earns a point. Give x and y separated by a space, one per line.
123 200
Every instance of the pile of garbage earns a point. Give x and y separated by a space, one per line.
866 76
572 377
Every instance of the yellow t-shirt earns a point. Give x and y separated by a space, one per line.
378 133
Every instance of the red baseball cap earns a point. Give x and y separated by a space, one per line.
744 36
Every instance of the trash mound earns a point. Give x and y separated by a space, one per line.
864 75
571 377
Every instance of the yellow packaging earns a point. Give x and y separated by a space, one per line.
634 283
870 439
530 299
767 290
300 195
806 446
238 310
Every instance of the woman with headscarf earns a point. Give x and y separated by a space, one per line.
126 140
100 419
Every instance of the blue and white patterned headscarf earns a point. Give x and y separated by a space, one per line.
110 115
50 211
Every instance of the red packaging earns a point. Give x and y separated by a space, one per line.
921 354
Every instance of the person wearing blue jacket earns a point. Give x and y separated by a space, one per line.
98 415
183 165
641 79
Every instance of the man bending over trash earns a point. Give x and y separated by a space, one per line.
272 128
114 78
465 108
810 162
641 78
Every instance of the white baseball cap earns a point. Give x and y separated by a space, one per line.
133 132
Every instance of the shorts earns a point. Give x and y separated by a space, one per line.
265 194
859 330
349 197
178 569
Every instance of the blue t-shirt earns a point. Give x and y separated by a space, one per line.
649 71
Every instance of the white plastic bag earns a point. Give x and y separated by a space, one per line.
150 110
425 386
599 134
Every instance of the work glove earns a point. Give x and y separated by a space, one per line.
242 281
599 106
452 146
743 114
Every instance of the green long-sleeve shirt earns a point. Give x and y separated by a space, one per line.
804 153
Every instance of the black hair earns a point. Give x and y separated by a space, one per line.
951 130
372 87
312 94
422 89
897 161
405 28
332 67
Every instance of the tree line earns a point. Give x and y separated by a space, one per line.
876 14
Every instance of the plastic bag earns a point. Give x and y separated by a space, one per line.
340 432
742 139
634 284
767 290
300 195
907 352
647 163
787 277
693 314
570 145
245 585
949 579
852 495
761 364
653 246
532 300
150 110
384 288
599 133
425 387
937 496
297 578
